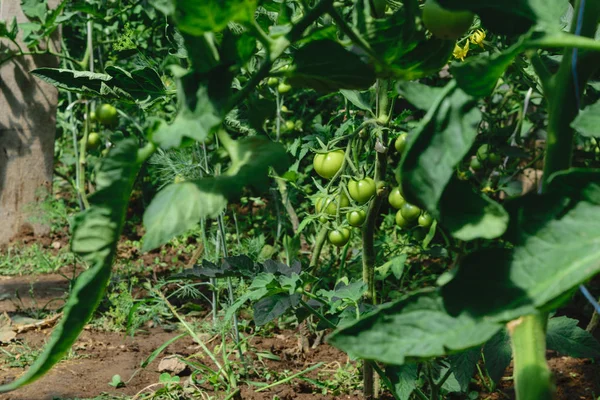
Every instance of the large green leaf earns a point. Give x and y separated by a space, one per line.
514 16
95 235
556 239
470 215
179 207
326 66
198 17
419 95
563 335
478 75
587 123
442 139
201 97
142 85
415 328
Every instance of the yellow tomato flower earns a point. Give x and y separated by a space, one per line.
461 52
478 37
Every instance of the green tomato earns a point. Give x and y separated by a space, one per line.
396 199
289 125
475 164
93 116
400 143
362 190
93 141
284 109
410 212
401 221
107 115
328 164
444 23
329 206
339 237
283 88
356 218
483 152
494 159
272 81
425 220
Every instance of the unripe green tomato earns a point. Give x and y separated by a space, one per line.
289 125
444 23
483 152
339 237
425 220
92 116
93 141
400 143
410 212
494 159
284 109
283 88
104 152
323 219
362 190
107 115
396 199
328 164
401 221
475 164
329 206
356 218
272 81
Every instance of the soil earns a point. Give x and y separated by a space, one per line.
98 355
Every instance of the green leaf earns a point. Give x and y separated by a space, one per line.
556 239
85 82
403 379
35 9
142 85
512 17
469 215
418 94
274 306
463 366
326 66
180 206
95 236
201 97
427 170
443 138
9 32
498 354
355 97
587 123
563 335
478 76
415 328
198 17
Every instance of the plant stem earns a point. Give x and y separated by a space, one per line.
319 242
531 372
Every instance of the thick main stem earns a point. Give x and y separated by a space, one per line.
531 372
368 233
